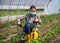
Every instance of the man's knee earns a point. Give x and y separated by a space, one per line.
28 28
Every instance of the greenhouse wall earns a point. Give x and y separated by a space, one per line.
54 6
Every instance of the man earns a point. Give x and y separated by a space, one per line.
31 20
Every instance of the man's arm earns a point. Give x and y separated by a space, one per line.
23 17
39 19
19 20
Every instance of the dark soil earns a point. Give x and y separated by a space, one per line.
56 39
41 31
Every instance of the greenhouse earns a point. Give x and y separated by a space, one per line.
29 21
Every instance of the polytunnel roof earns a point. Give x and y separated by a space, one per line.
24 2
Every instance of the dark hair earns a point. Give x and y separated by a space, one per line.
32 6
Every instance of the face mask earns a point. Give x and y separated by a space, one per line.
32 13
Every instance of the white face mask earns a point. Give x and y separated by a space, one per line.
32 13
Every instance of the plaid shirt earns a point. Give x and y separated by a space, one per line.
29 18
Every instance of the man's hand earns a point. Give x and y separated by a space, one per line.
19 24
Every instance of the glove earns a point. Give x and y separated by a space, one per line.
20 25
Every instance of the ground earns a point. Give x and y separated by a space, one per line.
47 24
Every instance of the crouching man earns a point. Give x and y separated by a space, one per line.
31 20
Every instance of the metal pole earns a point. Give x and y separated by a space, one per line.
0 18
1 12
17 17
9 16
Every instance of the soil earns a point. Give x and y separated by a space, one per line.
41 31
48 27
56 39
4 30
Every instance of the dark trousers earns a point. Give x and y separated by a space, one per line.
29 27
